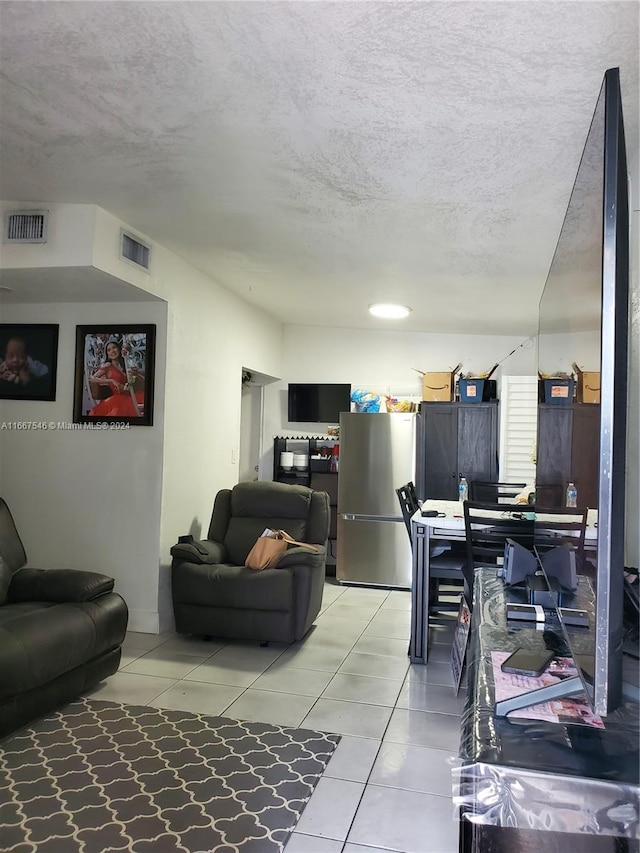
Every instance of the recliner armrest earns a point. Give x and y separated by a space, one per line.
57 585
188 553
297 556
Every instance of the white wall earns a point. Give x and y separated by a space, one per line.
380 361
383 362
388 358
69 237
557 352
88 499
206 335
211 335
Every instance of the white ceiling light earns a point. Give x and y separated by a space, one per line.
389 311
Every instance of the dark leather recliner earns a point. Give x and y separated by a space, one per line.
215 594
61 632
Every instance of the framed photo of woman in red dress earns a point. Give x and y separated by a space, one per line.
114 374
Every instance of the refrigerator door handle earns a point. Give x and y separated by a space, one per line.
348 516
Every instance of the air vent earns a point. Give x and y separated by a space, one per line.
135 251
26 226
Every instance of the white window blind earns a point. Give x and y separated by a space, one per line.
518 428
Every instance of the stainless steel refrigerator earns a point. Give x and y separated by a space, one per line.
377 454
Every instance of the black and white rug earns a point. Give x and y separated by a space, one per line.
100 777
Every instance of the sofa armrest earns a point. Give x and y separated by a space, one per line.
297 556
187 552
57 585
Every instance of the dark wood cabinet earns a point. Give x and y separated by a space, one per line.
568 452
454 439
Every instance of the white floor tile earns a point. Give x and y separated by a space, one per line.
438 653
128 656
330 810
165 664
351 611
353 758
362 635
438 673
235 665
329 635
405 821
377 628
363 594
261 706
422 696
441 731
441 634
248 651
197 697
397 600
131 688
313 657
330 592
340 626
289 679
348 718
383 647
396 617
413 768
378 666
299 843
186 644
363 688
136 640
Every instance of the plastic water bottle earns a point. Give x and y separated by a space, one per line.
463 489
572 495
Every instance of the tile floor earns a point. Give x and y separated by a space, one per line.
388 785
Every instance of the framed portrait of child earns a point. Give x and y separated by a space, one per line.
114 374
28 361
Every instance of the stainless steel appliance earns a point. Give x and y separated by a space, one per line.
377 454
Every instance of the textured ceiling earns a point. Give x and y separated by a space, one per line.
316 157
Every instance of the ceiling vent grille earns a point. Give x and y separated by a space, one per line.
135 251
26 226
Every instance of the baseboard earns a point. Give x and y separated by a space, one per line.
144 621
166 621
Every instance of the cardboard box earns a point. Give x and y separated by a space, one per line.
588 385
438 387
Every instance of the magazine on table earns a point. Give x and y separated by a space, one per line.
573 709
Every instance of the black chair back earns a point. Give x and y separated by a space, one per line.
555 526
488 526
494 493
408 503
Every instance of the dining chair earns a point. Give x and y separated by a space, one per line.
443 567
487 527
494 493
556 526
408 503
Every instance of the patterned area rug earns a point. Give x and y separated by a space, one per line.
100 776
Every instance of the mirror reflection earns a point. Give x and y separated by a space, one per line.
569 334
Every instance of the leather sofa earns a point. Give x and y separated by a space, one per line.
61 632
214 594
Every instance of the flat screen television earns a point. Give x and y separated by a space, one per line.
583 317
317 402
